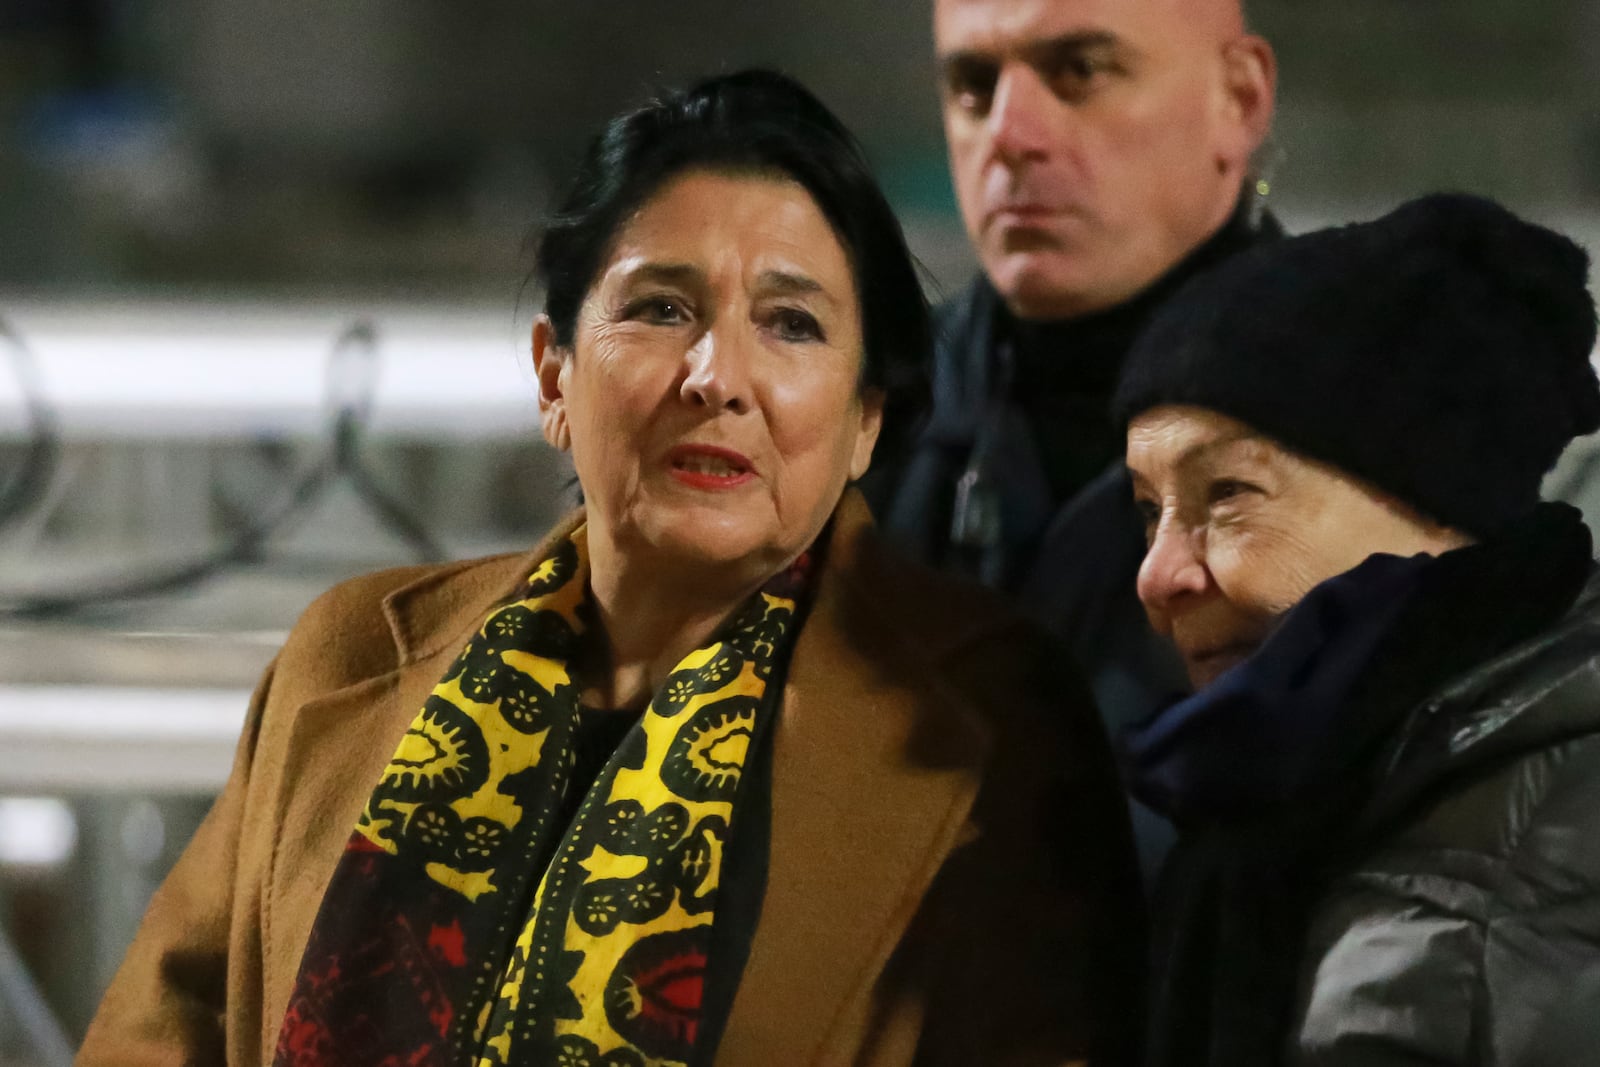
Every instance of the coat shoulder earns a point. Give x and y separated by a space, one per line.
1495 775
1513 785
362 628
1508 839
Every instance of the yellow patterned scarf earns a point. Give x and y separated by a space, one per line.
463 926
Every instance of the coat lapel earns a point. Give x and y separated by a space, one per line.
339 741
872 782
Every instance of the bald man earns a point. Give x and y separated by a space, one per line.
1102 155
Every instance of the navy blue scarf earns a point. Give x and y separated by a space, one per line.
1274 725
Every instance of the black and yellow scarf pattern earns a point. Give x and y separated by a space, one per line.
463 926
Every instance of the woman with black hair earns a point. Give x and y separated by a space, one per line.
706 777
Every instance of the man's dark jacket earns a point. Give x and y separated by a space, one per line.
1020 413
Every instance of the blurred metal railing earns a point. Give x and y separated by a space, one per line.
351 376
59 394
253 438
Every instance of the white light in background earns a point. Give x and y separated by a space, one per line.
36 832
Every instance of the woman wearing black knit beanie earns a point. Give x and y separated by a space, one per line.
1387 783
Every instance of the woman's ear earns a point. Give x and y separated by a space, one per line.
872 401
549 364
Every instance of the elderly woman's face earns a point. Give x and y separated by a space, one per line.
1239 529
712 398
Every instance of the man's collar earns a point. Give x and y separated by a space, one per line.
1099 341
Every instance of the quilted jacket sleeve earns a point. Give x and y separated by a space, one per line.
1412 980
1398 978
1483 948
1541 972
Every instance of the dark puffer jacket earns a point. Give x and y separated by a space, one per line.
1471 933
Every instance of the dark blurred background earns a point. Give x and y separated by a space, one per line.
293 147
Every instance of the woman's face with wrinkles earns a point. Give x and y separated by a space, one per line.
1240 528
711 398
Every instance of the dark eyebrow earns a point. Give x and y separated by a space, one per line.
779 282
665 273
1055 48
1036 52
966 57
786 283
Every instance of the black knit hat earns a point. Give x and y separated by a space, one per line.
1440 353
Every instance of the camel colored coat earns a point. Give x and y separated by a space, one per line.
950 877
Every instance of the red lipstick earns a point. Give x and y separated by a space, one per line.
709 467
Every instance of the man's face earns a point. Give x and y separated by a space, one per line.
1094 143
